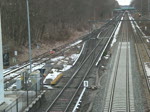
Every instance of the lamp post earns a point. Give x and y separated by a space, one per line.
141 7
29 42
1 67
29 36
148 7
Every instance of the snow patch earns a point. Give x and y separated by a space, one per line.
74 56
37 67
80 53
48 87
107 56
76 43
66 67
147 68
11 87
116 33
57 58
136 25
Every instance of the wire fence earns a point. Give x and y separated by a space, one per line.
24 98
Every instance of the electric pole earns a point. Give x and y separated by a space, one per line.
1 66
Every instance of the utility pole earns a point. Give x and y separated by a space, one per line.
141 7
1 66
30 51
148 7
29 35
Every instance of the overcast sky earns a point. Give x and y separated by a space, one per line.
124 2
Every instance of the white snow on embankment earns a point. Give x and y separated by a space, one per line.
35 66
66 66
147 68
116 33
76 43
136 25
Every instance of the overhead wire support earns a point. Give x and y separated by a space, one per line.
29 42
29 35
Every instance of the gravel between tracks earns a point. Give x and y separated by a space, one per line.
139 96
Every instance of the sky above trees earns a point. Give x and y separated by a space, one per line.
124 2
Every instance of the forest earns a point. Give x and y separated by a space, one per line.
51 20
141 6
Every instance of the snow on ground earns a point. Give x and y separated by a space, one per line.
56 72
48 87
11 87
74 56
136 25
132 24
10 69
76 43
43 59
116 33
57 58
102 66
147 68
147 40
11 75
66 67
6 70
107 56
37 66
79 54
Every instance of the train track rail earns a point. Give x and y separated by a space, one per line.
120 91
63 101
45 57
142 51
143 57
46 54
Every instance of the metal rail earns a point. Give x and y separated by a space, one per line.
127 74
139 34
37 58
46 54
76 72
112 104
40 62
114 80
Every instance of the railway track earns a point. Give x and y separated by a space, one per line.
120 91
47 55
143 57
63 101
40 59
44 55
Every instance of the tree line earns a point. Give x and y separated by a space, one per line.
51 20
141 6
